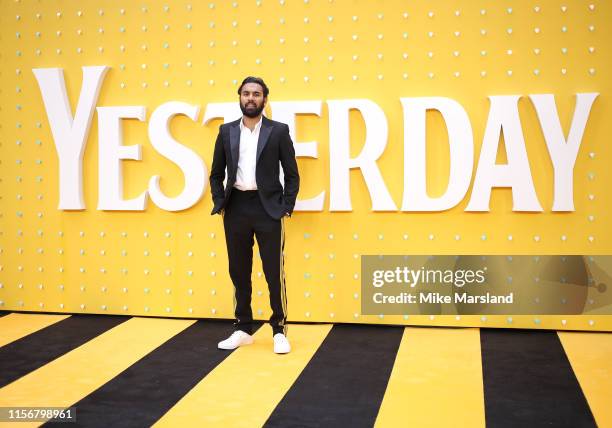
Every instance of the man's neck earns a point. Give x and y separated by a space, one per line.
251 122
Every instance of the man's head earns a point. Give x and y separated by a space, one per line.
253 94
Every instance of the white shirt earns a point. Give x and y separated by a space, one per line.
247 159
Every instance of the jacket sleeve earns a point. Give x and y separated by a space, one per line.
217 170
290 170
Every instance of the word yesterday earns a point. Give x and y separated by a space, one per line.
70 134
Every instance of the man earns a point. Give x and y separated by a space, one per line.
254 203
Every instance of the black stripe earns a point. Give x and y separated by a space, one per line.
344 383
529 382
146 390
24 355
3 313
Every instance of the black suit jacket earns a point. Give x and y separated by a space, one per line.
274 145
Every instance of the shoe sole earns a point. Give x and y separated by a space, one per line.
248 342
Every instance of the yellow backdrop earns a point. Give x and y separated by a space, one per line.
174 264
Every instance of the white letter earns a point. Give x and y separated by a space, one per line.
460 140
339 154
186 159
70 134
563 153
516 174
228 111
285 111
110 153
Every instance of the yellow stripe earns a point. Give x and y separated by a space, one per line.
590 355
282 277
235 303
16 326
246 387
69 378
436 380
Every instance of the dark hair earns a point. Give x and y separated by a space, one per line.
259 81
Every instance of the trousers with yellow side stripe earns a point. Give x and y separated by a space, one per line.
245 220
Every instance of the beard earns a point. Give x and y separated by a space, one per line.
251 109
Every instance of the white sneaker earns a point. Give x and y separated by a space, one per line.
281 344
238 338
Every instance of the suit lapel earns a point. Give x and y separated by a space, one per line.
264 135
235 144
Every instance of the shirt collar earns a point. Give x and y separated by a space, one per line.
242 127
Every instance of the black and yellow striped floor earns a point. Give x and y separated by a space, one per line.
138 372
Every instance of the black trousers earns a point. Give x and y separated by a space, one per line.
243 219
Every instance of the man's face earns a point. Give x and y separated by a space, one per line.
252 101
